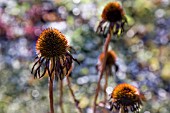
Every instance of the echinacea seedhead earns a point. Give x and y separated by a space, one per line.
110 61
111 57
113 19
51 43
52 50
113 12
127 96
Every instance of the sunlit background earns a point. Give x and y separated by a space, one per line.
143 52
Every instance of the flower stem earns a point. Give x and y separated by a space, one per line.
102 70
74 98
61 96
105 86
51 96
51 88
121 110
71 91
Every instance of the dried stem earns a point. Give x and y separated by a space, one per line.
105 86
61 96
102 70
72 93
121 110
51 88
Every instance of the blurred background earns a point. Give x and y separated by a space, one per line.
143 52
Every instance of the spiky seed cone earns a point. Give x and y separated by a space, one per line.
126 95
113 12
52 47
111 57
51 43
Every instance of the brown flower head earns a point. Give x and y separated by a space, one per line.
128 97
110 61
113 19
52 48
